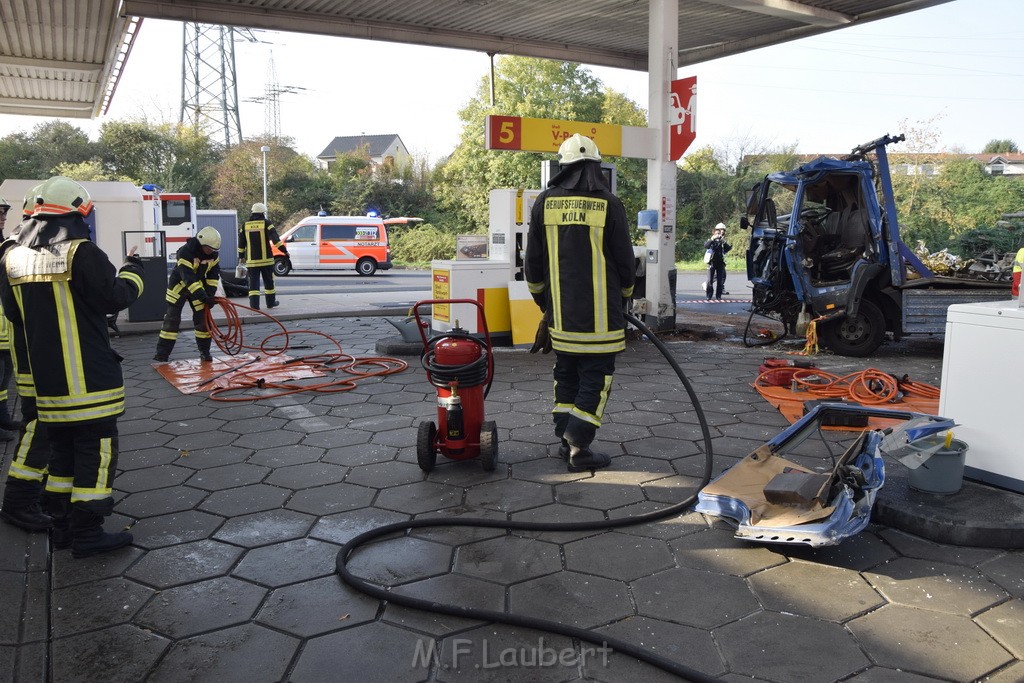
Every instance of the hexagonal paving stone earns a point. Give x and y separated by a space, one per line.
178 527
160 501
507 559
179 564
400 560
87 606
877 674
420 496
546 471
317 423
332 498
618 556
229 476
385 474
688 646
812 650
674 489
557 514
315 607
927 642
572 598
255 425
203 606
449 589
222 654
204 458
815 591
370 652
135 651
283 456
194 425
150 457
914 546
264 528
338 439
245 500
499 654
718 550
344 526
935 586
671 527
67 571
199 441
593 493
457 534
1007 571
862 552
1006 624
361 454
269 438
307 475
146 479
509 495
698 598
281 564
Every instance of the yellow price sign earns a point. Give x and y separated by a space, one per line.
547 135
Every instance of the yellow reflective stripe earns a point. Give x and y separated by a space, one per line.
83 414
134 279
587 417
81 399
598 275
168 335
212 283
627 292
553 275
26 473
59 484
212 263
605 391
187 263
82 495
26 441
3 395
67 321
562 408
270 291
611 335
195 286
535 287
203 335
567 347
103 474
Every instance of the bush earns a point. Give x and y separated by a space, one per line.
422 244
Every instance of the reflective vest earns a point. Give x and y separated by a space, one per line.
579 263
194 271
58 297
254 243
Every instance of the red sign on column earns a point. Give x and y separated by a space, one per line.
682 116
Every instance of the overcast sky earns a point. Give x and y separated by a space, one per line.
959 65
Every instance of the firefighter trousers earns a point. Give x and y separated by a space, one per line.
172 323
83 462
31 459
582 386
267 273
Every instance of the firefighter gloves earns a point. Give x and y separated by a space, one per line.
542 342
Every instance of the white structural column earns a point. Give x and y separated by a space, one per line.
661 172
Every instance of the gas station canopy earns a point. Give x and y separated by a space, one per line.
64 57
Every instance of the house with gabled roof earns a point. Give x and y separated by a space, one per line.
382 149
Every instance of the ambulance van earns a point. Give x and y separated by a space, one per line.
357 243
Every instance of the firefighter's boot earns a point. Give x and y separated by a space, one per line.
272 301
204 349
563 450
583 459
58 506
88 536
6 422
21 505
163 350
254 301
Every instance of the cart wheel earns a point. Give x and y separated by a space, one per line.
426 456
488 445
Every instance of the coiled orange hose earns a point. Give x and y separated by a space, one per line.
868 387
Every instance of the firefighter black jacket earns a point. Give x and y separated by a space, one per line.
194 275
255 238
579 261
57 288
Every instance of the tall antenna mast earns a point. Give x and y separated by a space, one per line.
209 93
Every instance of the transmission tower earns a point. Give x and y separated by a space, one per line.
209 94
271 100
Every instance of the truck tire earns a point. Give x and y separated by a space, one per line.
282 266
366 266
857 336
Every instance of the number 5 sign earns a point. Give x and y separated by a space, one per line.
682 116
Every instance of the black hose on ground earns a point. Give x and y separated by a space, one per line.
522 620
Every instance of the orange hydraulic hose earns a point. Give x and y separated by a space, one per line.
868 387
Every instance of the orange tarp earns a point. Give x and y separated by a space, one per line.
192 376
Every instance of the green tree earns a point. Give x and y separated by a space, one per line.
88 171
996 146
37 154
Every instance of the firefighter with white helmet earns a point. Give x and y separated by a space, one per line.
255 239
580 271
715 250
193 279
57 288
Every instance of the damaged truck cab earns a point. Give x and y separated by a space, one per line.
826 247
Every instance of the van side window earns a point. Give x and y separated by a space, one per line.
336 233
306 233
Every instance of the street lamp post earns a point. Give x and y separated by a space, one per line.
264 149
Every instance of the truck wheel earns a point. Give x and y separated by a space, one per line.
366 266
426 456
282 266
857 336
488 445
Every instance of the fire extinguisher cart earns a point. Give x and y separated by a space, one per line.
461 367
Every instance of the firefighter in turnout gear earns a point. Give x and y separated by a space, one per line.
6 364
57 288
255 239
193 279
580 270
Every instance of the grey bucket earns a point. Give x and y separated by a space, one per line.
943 472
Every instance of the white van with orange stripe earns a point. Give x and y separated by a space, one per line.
357 243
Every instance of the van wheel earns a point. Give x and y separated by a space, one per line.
282 266
857 336
366 266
